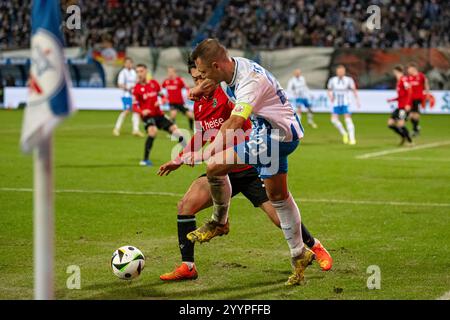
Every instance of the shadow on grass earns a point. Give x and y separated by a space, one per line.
197 289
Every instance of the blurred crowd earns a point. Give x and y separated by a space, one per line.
245 23
284 24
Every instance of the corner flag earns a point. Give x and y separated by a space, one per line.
49 98
48 103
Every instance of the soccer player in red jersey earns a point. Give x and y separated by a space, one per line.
397 119
420 89
210 113
174 86
145 95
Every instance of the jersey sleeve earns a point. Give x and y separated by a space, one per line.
183 84
136 98
290 88
247 97
352 84
330 84
157 86
121 78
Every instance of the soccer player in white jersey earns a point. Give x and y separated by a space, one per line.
298 91
126 81
339 89
276 132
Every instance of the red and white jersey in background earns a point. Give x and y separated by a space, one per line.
174 89
146 98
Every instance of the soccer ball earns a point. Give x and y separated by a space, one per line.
127 262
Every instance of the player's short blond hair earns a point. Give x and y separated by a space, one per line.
209 51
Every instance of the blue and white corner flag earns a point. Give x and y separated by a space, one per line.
49 99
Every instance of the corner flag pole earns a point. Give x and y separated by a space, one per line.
49 102
43 220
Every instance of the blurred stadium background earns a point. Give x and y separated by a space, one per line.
390 210
281 35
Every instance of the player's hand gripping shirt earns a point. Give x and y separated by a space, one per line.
258 95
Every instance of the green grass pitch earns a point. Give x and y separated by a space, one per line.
392 211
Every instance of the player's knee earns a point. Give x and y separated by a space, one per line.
185 207
275 195
212 169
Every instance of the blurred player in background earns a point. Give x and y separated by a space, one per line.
397 119
126 81
146 102
420 89
210 113
339 88
174 86
298 91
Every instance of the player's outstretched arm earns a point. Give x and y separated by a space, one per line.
168 167
355 93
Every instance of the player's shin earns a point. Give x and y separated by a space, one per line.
135 121
405 133
415 124
350 128
221 195
148 147
120 121
396 129
186 224
338 125
290 220
308 239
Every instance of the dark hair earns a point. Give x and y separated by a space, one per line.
208 50
190 64
399 68
340 66
141 65
412 64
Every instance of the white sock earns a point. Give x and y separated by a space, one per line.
189 264
290 221
221 196
339 126
120 120
135 121
310 117
350 128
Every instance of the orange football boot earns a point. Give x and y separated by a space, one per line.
323 257
180 273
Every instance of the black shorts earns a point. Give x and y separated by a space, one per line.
179 107
161 122
416 105
399 114
249 184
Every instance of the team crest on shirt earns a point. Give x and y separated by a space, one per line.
214 103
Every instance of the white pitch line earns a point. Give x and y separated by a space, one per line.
445 296
172 194
414 159
391 151
69 128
